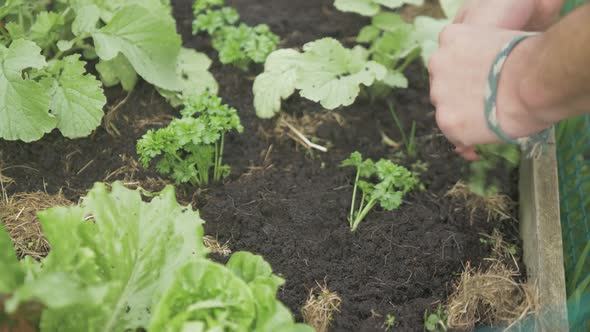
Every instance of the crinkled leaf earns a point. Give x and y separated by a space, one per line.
44 31
193 73
86 19
24 104
147 39
426 31
207 293
331 74
15 30
371 7
64 45
355 159
253 269
276 83
395 79
117 243
451 7
77 98
388 21
368 34
12 273
117 70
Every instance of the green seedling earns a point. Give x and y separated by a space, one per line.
389 322
409 141
393 182
237 44
436 321
190 147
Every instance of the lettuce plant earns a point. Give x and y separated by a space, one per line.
118 263
325 72
240 44
372 7
190 147
393 183
44 46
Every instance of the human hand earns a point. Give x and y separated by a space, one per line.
458 79
530 15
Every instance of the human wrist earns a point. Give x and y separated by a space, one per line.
519 104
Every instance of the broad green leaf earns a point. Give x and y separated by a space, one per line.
86 20
192 71
64 45
77 98
117 70
331 74
368 34
388 21
207 293
15 30
253 268
395 79
451 7
24 104
120 251
44 31
147 39
12 273
276 83
426 31
372 7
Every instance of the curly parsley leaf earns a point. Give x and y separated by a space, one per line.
147 39
77 98
24 103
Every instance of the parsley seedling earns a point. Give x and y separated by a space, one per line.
394 182
189 147
239 45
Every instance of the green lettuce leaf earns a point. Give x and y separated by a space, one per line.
77 98
12 273
111 259
276 83
372 7
24 103
192 71
117 70
326 72
45 31
332 74
149 41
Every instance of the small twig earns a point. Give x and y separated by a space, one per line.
305 140
85 167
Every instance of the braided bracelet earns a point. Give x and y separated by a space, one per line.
531 146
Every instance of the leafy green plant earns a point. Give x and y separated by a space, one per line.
325 72
118 263
389 322
372 7
393 183
436 321
190 147
238 45
44 47
578 292
409 141
492 156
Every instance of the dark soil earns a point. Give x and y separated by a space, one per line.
289 204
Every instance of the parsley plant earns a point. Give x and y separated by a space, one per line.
190 147
393 183
239 45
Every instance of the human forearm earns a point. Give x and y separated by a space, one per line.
556 81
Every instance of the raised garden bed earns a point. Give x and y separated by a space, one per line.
290 204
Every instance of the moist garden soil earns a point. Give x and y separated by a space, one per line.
287 203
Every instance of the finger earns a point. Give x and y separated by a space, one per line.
460 18
469 153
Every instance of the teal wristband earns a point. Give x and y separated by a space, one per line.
531 146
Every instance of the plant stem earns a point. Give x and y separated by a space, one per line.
353 203
220 156
215 158
362 214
